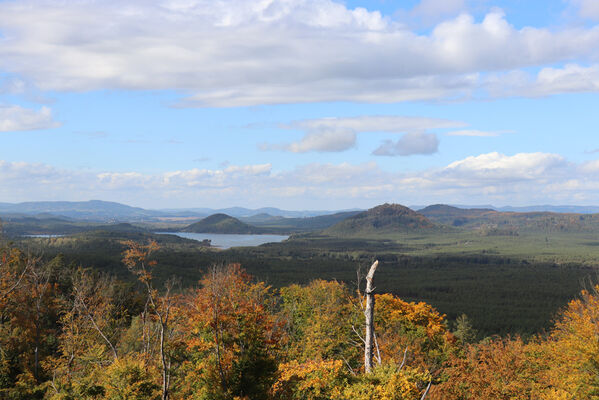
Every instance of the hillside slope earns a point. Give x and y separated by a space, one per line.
223 223
380 220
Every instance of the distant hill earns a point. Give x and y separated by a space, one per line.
298 224
93 210
449 215
107 211
383 219
498 222
248 213
223 223
534 208
262 218
553 209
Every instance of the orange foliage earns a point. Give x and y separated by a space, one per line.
415 327
494 369
232 336
311 380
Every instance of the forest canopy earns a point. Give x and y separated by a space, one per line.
67 332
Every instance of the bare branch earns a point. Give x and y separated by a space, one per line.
405 355
378 352
427 389
351 370
358 333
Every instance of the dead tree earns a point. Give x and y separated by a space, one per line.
369 314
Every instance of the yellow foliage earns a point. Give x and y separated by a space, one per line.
571 353
311 380
129 379
388 382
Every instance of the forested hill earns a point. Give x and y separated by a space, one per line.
223 223
383 219
535 222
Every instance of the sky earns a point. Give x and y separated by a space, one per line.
300 104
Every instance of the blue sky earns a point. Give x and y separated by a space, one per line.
300 104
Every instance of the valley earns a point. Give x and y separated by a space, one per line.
509 272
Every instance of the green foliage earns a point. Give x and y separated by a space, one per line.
312 314
128 379
464 331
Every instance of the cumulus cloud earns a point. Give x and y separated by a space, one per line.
339 134
17 118
571 78
522 178
239 53
494 166
409 144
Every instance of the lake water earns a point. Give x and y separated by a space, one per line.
225 241
43 236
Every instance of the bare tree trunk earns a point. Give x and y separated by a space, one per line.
165 369
369 314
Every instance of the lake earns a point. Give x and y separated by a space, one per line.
42 236
225 241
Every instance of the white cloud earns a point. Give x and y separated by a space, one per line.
519 179
321 141
17 118
339 134
238 53
409 144
587 8
376 123
493 166
590 167
571 78
431 9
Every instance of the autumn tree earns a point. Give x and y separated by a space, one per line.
137 258
28 328
91 325
318 320
499 368
570 353
233 337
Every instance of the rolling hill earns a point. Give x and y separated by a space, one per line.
223 223
511 223
381 220
297 225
